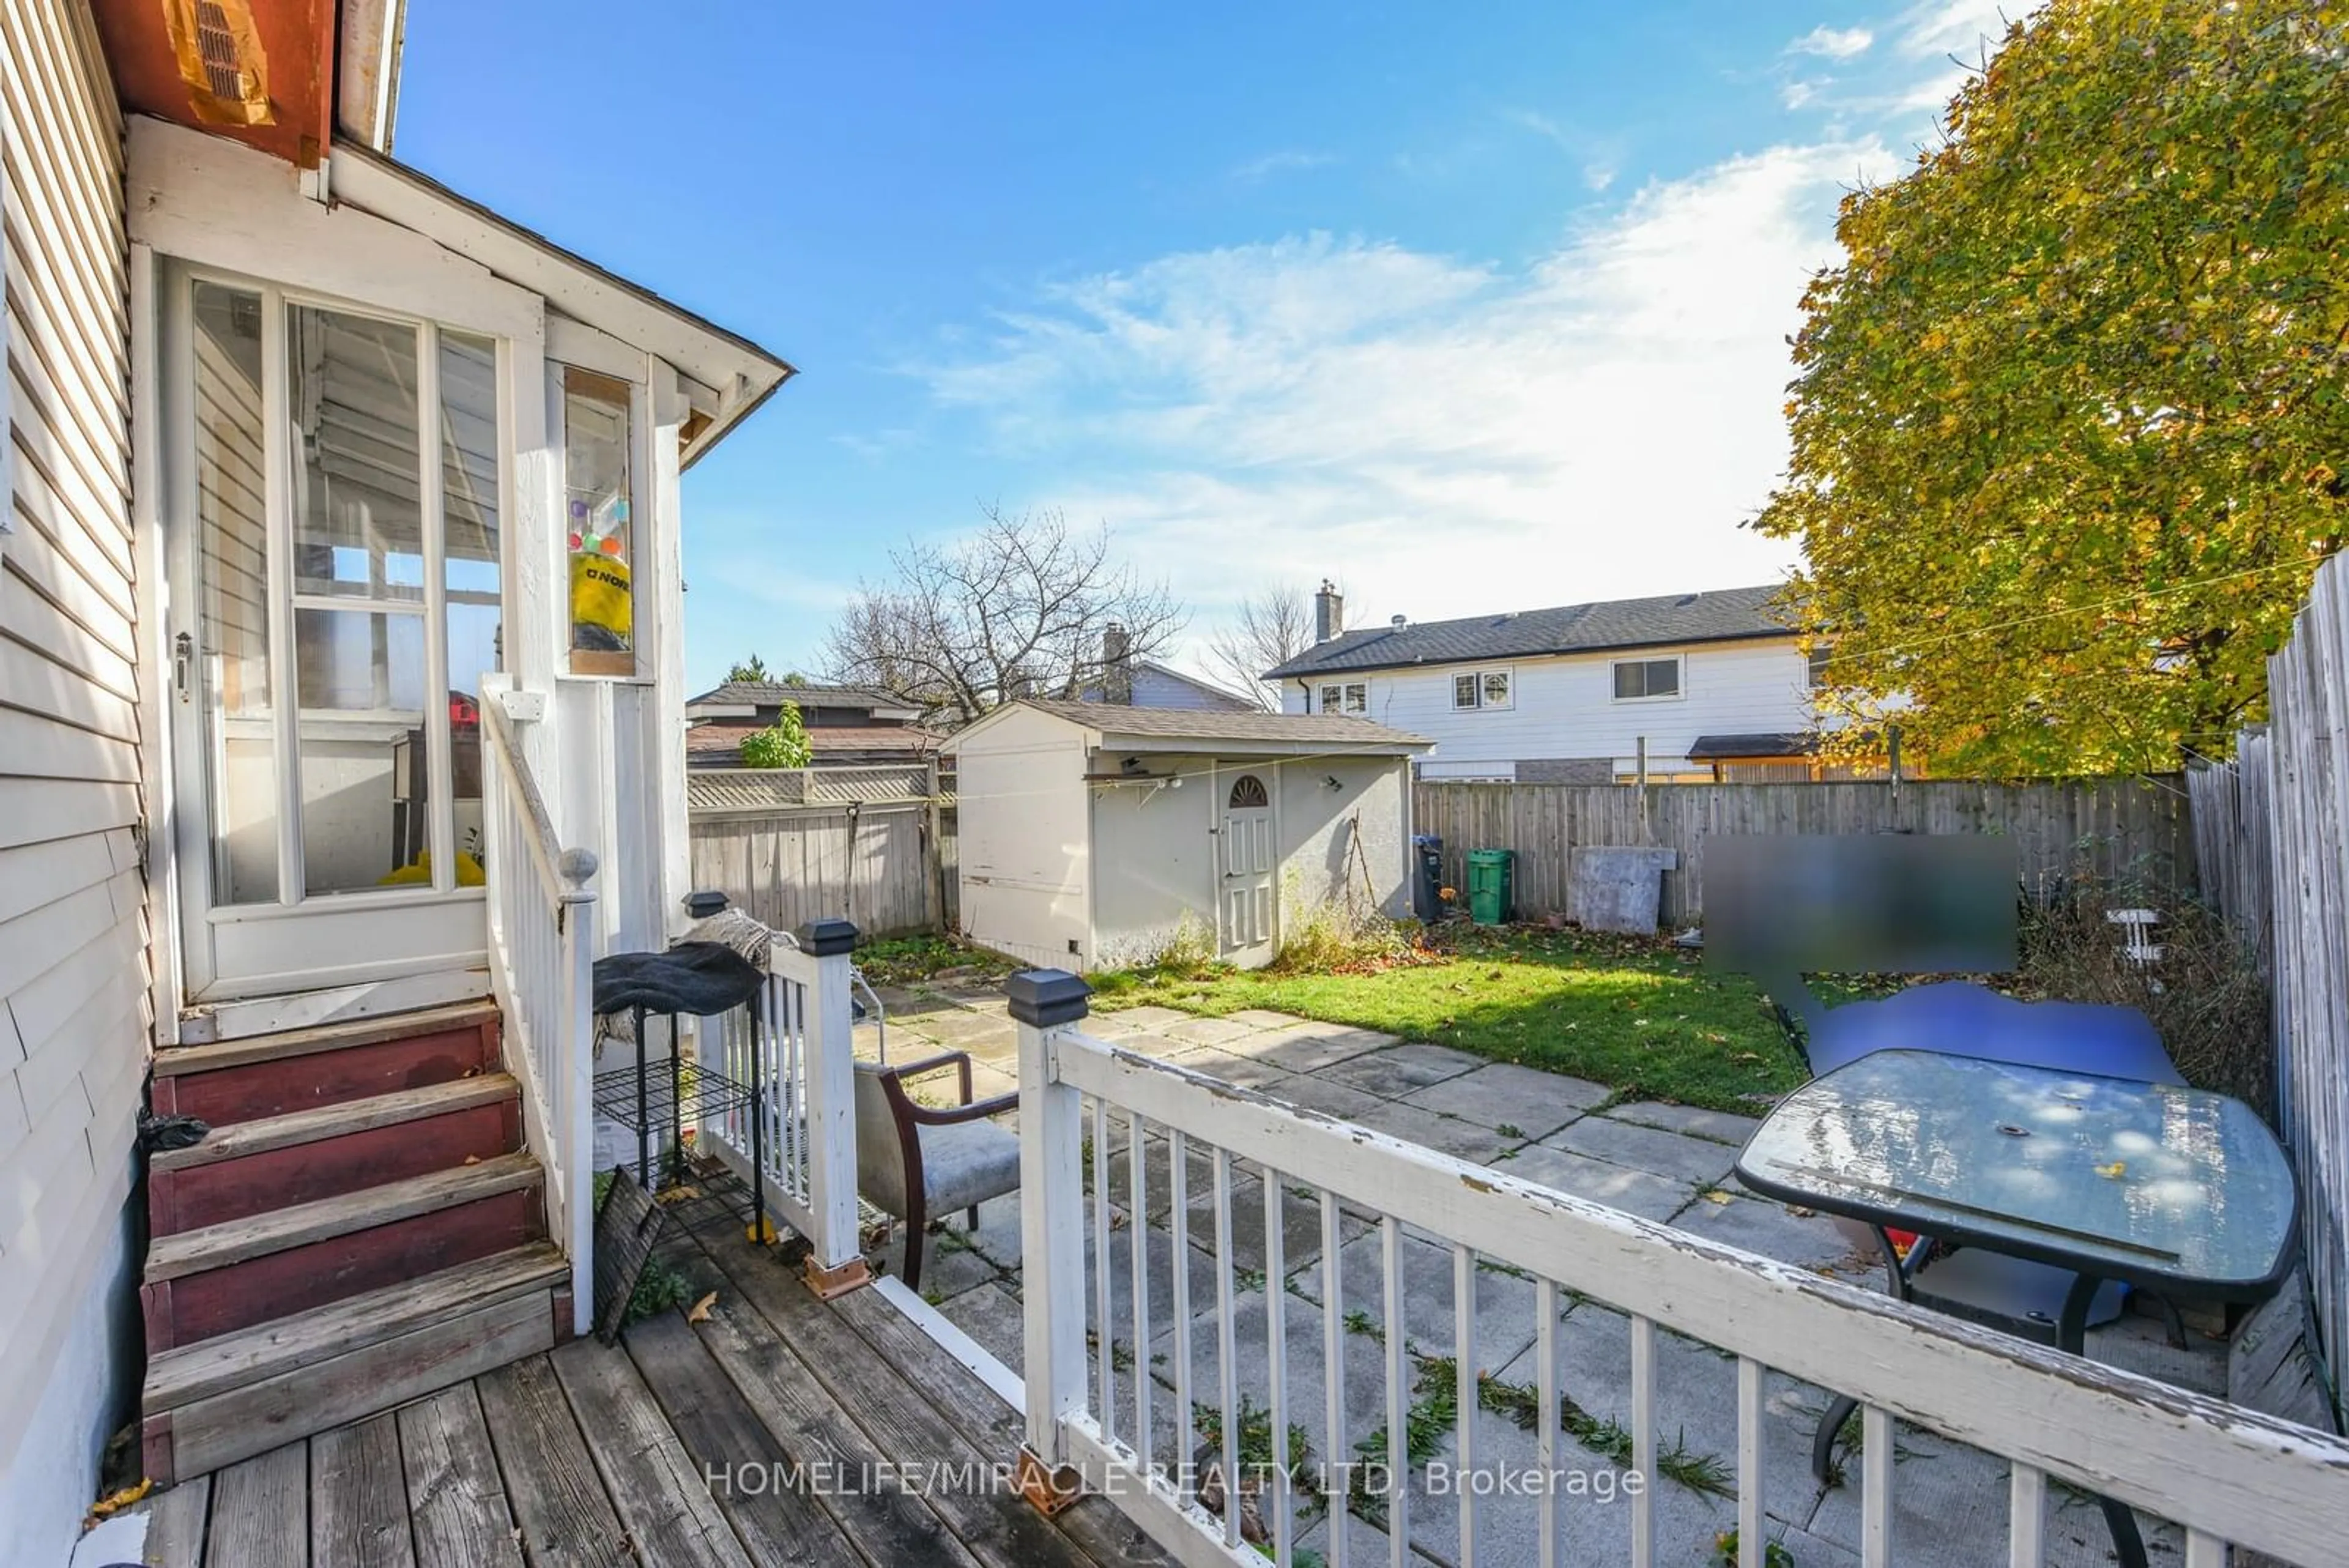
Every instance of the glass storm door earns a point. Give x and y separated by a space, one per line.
332 531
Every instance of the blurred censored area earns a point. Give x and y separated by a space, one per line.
1878 902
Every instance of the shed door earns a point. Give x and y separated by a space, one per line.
1249 858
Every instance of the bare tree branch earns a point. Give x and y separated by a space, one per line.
1020 606
1273 627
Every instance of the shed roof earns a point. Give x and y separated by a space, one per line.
1721 615
1171 729
1759 744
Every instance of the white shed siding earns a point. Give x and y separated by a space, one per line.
1024 820
1155 854
1565 707
73 987
1342 846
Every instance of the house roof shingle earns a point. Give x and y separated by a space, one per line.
1723 615
1306 729
1763 744
766 693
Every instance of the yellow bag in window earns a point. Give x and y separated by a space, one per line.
603 604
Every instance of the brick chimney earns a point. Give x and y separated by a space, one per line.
1329 612
1117 667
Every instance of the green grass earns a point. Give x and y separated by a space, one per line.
1641 1017
907 961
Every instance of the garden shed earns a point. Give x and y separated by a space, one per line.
1094 837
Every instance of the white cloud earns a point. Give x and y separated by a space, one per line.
1597 176
1965 28
1289 161
1833 43
1795 94
1450 436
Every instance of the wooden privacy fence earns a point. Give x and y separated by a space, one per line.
2276 822
875 845
2112 826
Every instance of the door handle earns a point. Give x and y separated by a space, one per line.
183 656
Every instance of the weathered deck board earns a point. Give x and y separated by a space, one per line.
653 1483
456 1501
883 1519
261 1511
907 1408
719 1428
552 1485
175 1525
358 1497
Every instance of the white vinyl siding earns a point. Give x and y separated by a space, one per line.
73 984
1565 706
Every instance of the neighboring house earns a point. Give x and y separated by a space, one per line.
343 533
1713 684
847 726
1129 683
1093 836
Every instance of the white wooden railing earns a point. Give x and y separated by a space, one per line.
542 960
1091 1115
798 1126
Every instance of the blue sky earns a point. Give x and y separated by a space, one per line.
1472 309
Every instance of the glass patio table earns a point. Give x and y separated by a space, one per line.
2179 1191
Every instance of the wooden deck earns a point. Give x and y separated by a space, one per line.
591 1456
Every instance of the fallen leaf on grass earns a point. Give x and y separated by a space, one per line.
700 1311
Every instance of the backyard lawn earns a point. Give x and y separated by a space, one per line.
1644 1018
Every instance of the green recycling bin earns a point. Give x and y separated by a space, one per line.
1492 885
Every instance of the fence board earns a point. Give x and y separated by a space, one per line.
870 844
2111 826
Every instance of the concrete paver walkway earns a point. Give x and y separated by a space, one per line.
1665 1162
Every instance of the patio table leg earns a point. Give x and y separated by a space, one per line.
2071 1336
1896 1273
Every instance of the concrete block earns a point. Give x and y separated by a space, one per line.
1618 889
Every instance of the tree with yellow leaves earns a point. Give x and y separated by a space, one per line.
2069 429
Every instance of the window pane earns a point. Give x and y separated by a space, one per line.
599 491
1497 688
1329 699
1818 667
469 505
1464 691
1357 699
358 528
1663 678
232 548
360 676
1627 682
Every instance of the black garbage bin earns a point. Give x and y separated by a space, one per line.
1427 852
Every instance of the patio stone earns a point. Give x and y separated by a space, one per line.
1264 1018
1454 1136
1300 1222
976 1032
1759 1225
1132 1021
950 1263
1504 1304
1247 1071
1399 1070
1204 1031
1308 1047
1718 1125
1503 1094
1683 1159
994 1317
1640 1192
1318 1093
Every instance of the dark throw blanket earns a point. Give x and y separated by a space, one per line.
699 978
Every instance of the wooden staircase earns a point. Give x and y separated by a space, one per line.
359 1228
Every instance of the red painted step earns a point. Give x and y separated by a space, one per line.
251 1168
246 1080
231 1275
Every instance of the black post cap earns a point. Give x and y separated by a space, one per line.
822 938
1041 998
704 902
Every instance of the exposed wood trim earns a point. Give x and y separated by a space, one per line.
365 1031
294 1129
344 1005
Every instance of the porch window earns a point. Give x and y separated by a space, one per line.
600 521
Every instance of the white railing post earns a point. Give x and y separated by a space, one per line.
834 1264
575 1051
1044 1003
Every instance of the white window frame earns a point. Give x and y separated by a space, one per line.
1357 695
1327 689
1507 673
1678 693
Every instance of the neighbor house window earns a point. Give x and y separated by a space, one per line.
599 522
1638 679
1816 672
1482 689
1352 697
1332 698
